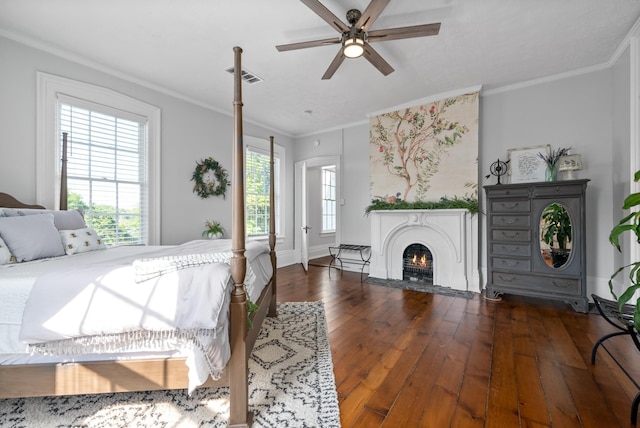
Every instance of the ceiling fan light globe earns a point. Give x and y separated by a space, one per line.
353 47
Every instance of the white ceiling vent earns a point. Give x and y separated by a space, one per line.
247 76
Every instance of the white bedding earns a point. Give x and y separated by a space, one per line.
152 304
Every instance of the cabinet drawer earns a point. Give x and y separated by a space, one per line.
569 286
559 190
511 220
506 263
512 193
511 235
511 206
500 249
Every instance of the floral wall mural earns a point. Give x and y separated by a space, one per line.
426 153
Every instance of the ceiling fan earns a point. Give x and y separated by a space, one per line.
356 37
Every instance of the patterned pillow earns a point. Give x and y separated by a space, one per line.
5 255
81 241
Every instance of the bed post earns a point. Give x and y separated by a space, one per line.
273 312
63 173
239 415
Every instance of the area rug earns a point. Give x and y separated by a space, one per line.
420 286
291 384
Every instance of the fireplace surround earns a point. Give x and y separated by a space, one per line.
451 235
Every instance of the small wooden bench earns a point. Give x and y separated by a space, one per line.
350 253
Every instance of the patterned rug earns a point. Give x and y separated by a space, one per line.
420 286
291 384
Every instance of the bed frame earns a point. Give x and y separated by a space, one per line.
159 374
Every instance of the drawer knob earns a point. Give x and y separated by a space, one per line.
511 235
560 284
509 220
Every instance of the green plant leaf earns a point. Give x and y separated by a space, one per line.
614 237
631 201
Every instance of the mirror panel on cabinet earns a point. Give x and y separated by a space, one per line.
555 235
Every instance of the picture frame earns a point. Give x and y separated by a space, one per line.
525 165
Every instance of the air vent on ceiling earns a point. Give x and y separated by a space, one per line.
247 76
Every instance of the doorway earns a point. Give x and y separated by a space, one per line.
312 239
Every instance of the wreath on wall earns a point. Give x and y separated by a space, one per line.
211 179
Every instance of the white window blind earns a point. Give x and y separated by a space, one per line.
107 169
257 191
328 199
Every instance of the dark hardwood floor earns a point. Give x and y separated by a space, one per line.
409 359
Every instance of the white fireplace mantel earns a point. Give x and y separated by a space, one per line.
450 234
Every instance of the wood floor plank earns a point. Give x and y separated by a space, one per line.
502 408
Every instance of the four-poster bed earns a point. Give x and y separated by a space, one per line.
142 374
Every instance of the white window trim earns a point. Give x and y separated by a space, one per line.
279 152
326 232
48 87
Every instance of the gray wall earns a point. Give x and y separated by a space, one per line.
189 133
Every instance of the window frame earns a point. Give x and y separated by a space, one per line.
262 146
48 140
323 170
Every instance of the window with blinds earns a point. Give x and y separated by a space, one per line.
257 191
328 199
107 169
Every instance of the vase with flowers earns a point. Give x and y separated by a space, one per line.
214 230
551 161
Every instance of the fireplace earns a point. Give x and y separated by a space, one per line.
451 236
417 264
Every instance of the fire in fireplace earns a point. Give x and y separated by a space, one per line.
417 264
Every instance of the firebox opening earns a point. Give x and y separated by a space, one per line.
417 264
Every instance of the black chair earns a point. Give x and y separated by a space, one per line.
623 322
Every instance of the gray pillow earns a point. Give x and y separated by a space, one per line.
64 220
31 237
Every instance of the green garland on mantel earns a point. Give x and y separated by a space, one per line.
470 204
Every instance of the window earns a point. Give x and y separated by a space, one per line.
113 157
328 199
257 187
106 169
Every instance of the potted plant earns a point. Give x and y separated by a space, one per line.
214 230
631 223
556 229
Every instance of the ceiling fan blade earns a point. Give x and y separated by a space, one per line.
377 61
326 14
403 32
310 44
371 13
334 65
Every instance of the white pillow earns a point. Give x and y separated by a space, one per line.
81 241
31 237
5 255
64 220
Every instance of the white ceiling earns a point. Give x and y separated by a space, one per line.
184 46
